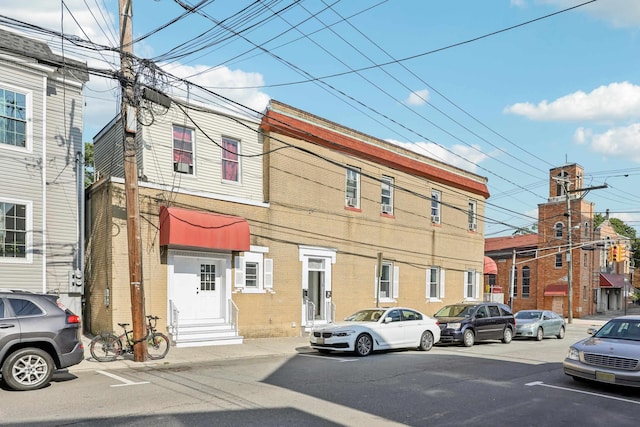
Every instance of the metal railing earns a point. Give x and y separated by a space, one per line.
174 315
310 313
233 313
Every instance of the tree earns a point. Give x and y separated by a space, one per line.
88 164
624 230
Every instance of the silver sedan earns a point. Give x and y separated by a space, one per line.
539 324
611 355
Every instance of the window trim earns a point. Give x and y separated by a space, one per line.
473 215
191 165
236 161
475 285
436 206
526 281
28 148
439 283
558 230
386 208
394 274
256 255
28 258
349 201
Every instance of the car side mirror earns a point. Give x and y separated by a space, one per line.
388 319
592 331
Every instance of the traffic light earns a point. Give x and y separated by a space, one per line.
610 254
615 255
622 252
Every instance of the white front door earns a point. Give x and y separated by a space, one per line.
317 305
198 287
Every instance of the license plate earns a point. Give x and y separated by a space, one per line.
320 341
606 377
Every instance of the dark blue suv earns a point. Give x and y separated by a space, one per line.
469 322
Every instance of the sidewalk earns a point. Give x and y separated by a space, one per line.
264 347
259 347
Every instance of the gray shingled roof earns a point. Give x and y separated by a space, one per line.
40 52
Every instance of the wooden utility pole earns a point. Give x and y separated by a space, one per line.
129 119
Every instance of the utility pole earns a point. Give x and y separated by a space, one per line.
128 115
566 183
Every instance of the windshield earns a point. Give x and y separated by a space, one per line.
365 316
523 315
456 310
624 329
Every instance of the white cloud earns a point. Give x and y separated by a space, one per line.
616 142
616 101
418 98
581 135
461 156
617 13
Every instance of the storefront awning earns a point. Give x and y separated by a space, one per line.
555 290
196 229
490 266
611 280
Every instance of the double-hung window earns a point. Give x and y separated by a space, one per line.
559 229
471 290
254 272
352 187
182 150
436 198
387 285
514 274
14 226
473 224
230 159
558 260
387 195
435 283
526 281
13 118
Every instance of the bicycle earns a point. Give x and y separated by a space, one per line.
106 346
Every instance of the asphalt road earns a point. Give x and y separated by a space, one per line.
521 384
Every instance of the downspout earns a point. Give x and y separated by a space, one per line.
43 171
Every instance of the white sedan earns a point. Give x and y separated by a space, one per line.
377 329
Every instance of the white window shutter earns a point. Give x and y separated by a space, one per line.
428 283
239 272
268 273
442 283
375 281
477 285
396 282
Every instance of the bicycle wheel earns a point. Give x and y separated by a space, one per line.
157 346
105 347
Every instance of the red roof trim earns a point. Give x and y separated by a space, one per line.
294 128
195 229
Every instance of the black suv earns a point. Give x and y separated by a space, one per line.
37 336
469 322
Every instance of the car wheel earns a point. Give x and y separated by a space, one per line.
426 341
364 345
468 338
507 336
539 334
561 333
28 369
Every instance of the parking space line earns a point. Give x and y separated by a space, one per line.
540 383
335 359
124 381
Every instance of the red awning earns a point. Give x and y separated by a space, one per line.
611 280
555 290
196 229
490 266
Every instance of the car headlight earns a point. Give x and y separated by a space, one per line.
574 354
343 333
527 326
454 325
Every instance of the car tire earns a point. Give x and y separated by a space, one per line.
364 345
507 335
28 369
560 333
468 338
539 334
426 341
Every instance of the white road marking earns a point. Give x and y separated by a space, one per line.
124 381
335 359
540 383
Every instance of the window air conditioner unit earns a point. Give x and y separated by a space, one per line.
182 167
435 219
473 227
387 209
351 201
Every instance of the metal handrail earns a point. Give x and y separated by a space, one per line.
233 314
174 315
310 313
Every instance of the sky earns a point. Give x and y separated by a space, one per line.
506 89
